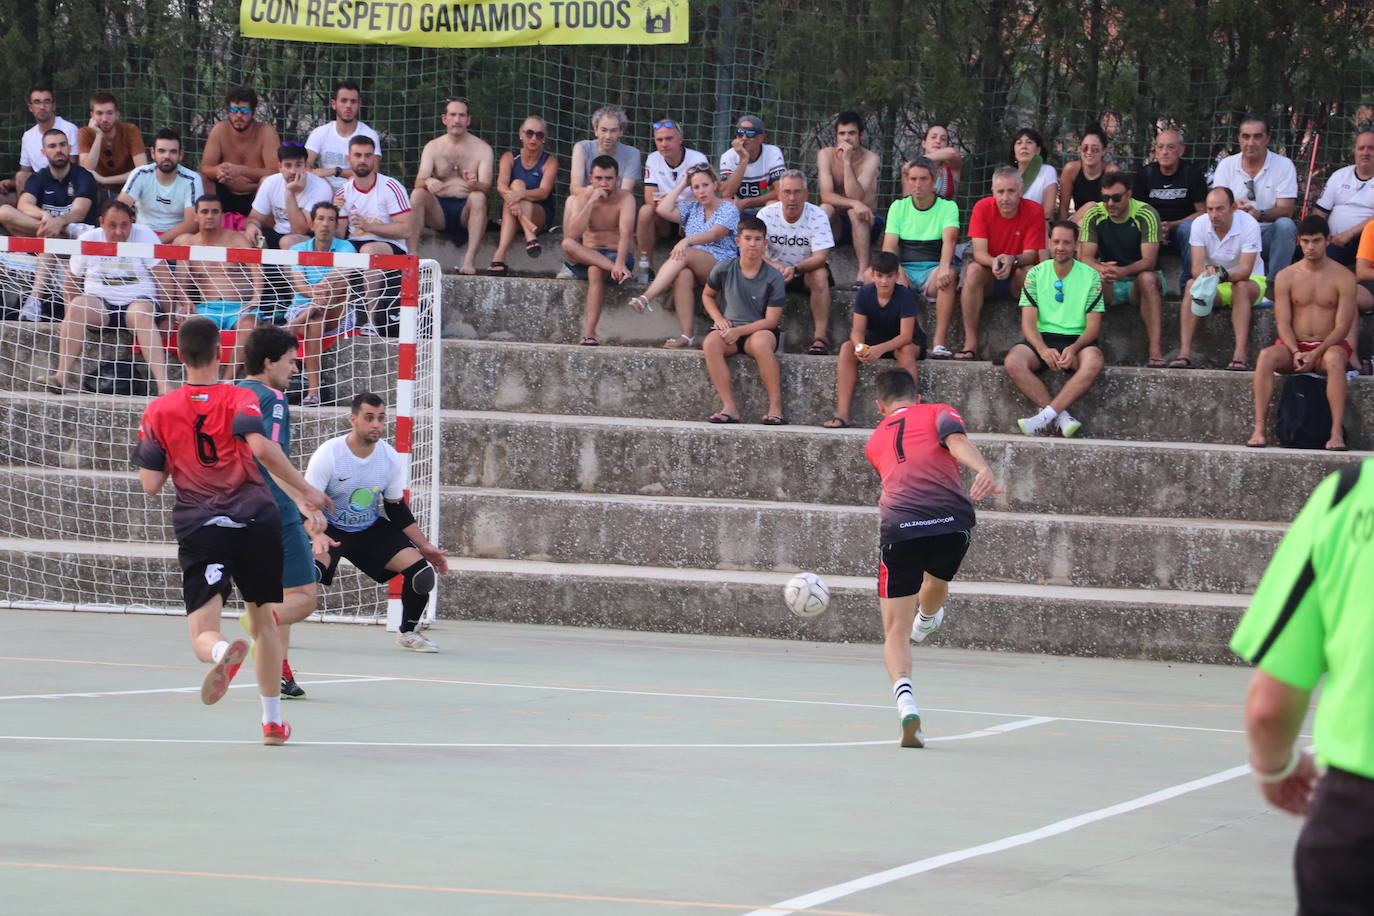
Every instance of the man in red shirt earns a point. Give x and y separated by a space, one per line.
1007 236
205 436
926 523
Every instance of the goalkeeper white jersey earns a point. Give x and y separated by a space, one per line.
356 485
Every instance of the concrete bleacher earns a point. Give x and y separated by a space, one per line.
580 485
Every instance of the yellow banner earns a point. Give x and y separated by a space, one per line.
468 23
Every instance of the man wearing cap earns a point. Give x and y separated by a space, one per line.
1225 245
1310 620
750 168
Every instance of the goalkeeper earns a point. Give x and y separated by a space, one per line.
359 471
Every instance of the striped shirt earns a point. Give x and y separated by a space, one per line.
1120 241
384 201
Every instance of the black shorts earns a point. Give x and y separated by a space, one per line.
454 226
903 564
1336 845
1058 342
1368 285
271 238
235 203
214 559
369 550
798 282
740 340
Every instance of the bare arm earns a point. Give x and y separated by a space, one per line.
666 206
967 454
1273 716
152 481
576 214
858 182
1364 269
1066 178
858 328
1089 336
1243 269
1283 207
212 156
978 250
311 500
484 173
826 179
577 183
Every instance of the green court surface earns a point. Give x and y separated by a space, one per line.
573 772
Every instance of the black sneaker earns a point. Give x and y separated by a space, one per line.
290 690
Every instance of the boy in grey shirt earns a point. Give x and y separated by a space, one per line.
753 298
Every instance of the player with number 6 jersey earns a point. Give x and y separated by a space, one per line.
926 523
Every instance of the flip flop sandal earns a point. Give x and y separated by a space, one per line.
498 269
533 248
819 347
836 423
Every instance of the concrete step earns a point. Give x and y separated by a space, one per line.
551 311
685 532
1125 403
810 465
1116 623
1119 623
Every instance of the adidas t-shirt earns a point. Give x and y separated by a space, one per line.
791 243
921 233
356 486
662 177
331 150
1082 293
160 206
759 175
385 200
1120 242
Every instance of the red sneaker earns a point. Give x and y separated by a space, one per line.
276 733
216 683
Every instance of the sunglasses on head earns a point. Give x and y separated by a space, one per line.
1114 198
747 132
536 134
671 125
699 168
1058 290
240 109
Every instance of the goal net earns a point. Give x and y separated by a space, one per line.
76 530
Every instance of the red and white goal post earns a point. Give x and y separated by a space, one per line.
77 532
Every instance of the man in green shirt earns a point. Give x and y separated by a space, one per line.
922 230
1313 614
1119 239
1061 316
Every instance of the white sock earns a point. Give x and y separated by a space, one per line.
271 710
218 651
923 617
906 703
1048 414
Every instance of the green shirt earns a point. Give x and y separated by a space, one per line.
1120 242
1062 314
1313 613
920 233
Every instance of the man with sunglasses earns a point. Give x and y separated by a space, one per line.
239 153
452 184
1265 186
750 168
110 148
670 160
326 149
1119 239
1061 317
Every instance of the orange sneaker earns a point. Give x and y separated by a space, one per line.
276 733
216 683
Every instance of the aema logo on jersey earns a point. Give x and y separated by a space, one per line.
361 499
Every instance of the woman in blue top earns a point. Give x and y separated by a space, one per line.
525 182
708 237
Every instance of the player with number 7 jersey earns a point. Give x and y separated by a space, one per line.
926 523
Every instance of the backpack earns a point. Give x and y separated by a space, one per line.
1304 419
121 378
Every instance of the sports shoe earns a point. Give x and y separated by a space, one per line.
912 736
1068 426
415 642
216 683
276 733
289 688
564 273
919 631
1033 426
31 310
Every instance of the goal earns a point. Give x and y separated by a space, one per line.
77 533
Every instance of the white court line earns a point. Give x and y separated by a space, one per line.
980 733
877 879
195 689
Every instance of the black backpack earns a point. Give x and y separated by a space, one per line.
121 377
1304 415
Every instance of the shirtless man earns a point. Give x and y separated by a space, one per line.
1314 306
229 293
848 175
598 229
239 153
452 185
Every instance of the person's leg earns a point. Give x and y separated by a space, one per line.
898 616
684 292
1187 327
1022 364
977 281
510 224
82 312
242 328
714 350
944 313
1271 359
1279 240
1181 244
141 316
1243 296
1333 364
664 279
646 231
1147 291
596 296
418 580
42 275
818 286
1090 362
17 222
863 238
898 600
906 359
846 374
762 346
475 219
426 213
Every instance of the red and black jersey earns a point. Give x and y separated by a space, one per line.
196 434
923 494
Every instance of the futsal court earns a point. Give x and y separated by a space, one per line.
577 772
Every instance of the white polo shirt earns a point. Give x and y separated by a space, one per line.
1243 238
663 177
31 144
1276 179
791 243
1349 200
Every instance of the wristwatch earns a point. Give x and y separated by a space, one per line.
338 171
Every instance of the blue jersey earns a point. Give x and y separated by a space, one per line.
276 419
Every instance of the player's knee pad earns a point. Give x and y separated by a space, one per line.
420 576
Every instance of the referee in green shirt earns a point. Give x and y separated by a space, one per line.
1313 614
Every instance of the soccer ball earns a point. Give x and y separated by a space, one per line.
806 594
